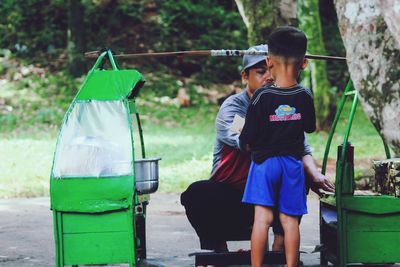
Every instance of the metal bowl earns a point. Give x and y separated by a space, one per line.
146 175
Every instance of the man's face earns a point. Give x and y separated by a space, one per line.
257 78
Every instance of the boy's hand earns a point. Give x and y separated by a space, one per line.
320 181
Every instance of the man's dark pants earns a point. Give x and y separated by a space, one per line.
217 213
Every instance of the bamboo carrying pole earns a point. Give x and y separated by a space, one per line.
213 53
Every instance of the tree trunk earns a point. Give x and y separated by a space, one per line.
76 39
324 100
338 74
261 17
371 35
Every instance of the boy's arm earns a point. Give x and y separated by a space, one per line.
315 178
307 148
248 134
310 121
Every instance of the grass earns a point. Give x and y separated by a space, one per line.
25 165
363 135
368 145
184 146
182 137
186 153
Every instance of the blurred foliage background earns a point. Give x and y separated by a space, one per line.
33 54
35 65
36 30
37 85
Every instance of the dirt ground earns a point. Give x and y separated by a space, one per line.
26 233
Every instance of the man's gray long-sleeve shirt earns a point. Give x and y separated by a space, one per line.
230 164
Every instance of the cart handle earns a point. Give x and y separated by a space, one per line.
101 57
349 89
133 101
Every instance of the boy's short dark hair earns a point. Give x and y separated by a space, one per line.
288 42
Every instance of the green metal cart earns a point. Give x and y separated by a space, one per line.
98 191
356 228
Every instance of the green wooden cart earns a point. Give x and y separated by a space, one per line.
356 228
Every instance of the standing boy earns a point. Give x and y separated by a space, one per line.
274 130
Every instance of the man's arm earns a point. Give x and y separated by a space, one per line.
317 180
224 122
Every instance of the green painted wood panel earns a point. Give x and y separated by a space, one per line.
97 222
91 194
367 222
372 204
373 247
97 248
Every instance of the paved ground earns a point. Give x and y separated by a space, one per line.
26 233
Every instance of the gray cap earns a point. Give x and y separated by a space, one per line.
251 60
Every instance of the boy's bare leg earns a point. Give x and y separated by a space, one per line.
290 226
263 217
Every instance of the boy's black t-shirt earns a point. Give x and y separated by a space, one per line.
276 121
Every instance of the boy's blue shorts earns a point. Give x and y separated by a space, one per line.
278 181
